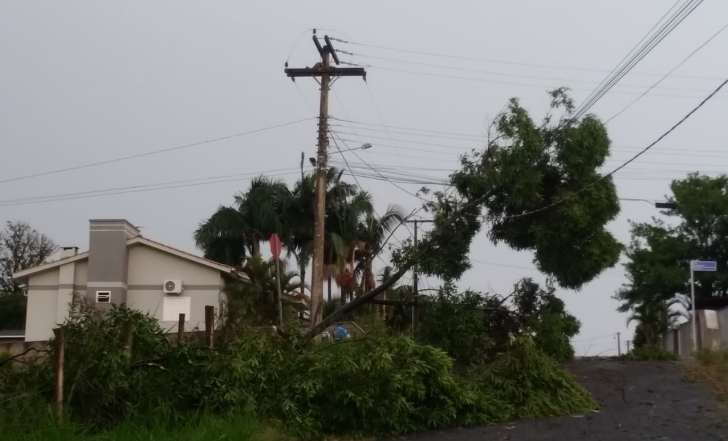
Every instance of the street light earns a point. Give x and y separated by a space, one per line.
666 205
362 147
661 205
365 146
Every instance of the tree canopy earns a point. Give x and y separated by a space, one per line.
21 247
659 254
526 190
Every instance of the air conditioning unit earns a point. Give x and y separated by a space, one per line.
172 287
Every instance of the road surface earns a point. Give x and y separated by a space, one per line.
638 401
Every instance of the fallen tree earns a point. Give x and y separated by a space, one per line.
527 185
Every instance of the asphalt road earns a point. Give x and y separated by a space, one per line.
639 401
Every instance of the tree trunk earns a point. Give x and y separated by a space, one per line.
329 283
302 284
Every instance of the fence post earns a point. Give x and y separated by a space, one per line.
209 325
60 349
180 328
129 336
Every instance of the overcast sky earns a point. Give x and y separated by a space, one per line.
87 81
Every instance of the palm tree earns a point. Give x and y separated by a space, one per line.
373 232
232 233
300 220
345 218
654 318
256 300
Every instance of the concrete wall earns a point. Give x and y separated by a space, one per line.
723 323
708 330
685 339
18 347
712 333
149 268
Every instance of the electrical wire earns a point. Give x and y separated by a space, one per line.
406 128
637 55
139 188
369 129
153 152
505 74
512 63
684 60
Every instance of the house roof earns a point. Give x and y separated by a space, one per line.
135 241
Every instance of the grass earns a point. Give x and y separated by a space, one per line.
711 367
161 426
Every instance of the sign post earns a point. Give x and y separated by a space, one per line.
698 265
275 249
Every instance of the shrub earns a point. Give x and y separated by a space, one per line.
377 385
529 384
474 328
649 353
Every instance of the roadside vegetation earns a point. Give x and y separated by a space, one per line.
471 357
711 367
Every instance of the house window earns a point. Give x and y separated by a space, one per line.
103 296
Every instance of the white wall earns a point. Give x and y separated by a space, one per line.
149 268
40 318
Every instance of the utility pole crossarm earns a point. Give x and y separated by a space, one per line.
297 72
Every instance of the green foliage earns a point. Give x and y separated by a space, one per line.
12 310
39 425
460 324
376 385
391 386
659 254
100 380
649 353
529 384
21 247
255 302
529 181
473 327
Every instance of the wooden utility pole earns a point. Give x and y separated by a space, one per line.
324 71
415 278
619 344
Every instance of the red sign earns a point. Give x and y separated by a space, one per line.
275 245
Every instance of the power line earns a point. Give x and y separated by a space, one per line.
138 188
637 54
429 135
334 134
407 128
684 60
626 163
485 60
505 74
540 86
154 152
410 142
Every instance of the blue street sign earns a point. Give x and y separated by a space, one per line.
705 265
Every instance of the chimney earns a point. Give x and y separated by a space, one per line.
68 252
108 260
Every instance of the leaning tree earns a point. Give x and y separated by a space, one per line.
535 187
